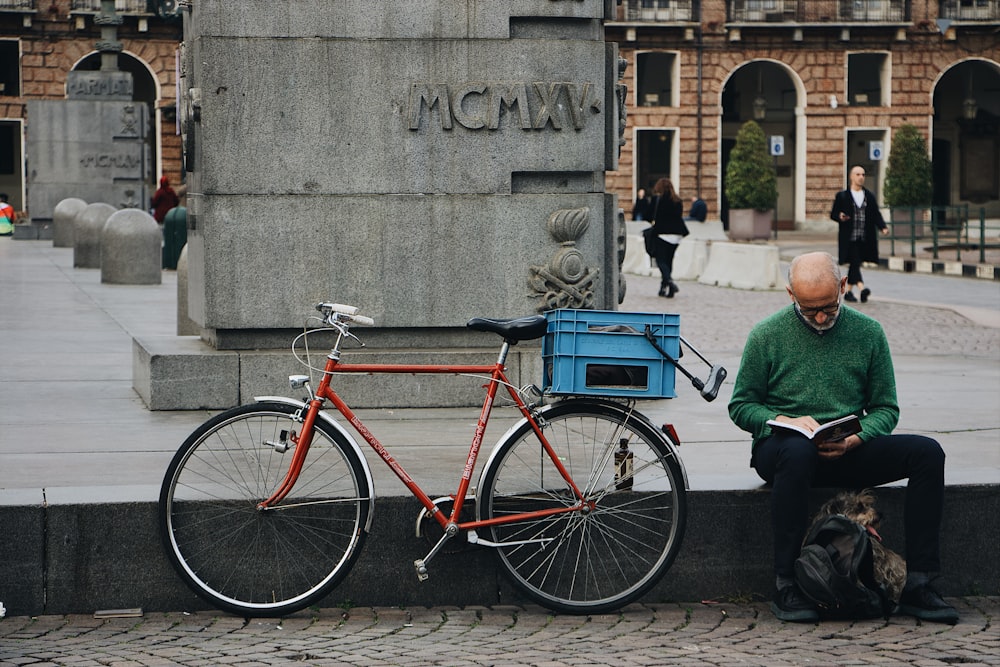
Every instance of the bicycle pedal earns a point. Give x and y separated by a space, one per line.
421 569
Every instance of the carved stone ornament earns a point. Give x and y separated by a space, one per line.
565 281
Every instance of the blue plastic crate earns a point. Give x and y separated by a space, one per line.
605 353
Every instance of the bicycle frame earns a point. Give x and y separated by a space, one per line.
496 377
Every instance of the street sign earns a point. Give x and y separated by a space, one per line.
875 150
777 145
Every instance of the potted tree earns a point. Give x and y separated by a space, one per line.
751 185
909 185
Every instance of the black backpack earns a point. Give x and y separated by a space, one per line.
835 570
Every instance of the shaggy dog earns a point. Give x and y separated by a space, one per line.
890 568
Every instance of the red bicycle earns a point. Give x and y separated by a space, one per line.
265 507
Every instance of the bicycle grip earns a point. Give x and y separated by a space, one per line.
715 378
362 320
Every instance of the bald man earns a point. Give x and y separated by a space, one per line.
813 361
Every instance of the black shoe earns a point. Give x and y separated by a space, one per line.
663 291
673 289
850 297
865 293
926 604
790 605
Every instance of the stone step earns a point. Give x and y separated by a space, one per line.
75 551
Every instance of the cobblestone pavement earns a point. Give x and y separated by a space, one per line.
742 633
718 318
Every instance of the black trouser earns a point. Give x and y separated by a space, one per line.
856 252
665 261
790 463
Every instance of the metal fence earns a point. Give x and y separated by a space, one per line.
121 6
947 228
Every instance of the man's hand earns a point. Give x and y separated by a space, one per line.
806 422
837 448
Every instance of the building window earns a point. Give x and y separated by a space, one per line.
10 68
867 79
654 79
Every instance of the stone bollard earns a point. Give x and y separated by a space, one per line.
185 325
63 219
87 226
131 246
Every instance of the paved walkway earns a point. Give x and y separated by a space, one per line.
722 634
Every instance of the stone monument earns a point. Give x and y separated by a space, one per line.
93 145
427 161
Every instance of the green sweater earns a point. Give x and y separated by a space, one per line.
788 369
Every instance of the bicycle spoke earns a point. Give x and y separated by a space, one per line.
262 561
615 550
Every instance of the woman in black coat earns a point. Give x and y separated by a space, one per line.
856 211
668 225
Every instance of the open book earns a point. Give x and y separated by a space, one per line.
838 429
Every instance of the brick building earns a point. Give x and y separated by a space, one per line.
42 40
830 78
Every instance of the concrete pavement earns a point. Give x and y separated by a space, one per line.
74 429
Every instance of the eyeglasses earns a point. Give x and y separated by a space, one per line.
829 310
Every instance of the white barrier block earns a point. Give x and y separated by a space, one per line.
636 261
743 266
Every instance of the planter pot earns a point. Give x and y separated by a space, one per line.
902 222
748 223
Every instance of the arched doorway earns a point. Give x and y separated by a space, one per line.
767 92
966 146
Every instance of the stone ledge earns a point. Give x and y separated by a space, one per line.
76 558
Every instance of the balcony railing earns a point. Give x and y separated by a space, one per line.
970 10
750 11
17 4
661 10
874 11
121 6
823 11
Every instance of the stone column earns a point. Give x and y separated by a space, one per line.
428 162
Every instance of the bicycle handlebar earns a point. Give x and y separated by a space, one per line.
344 313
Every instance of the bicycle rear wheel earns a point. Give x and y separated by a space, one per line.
269 562
588 561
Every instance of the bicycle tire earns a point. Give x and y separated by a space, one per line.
597 561
272 562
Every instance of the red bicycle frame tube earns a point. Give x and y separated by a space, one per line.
496 377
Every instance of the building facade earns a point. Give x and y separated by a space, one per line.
41 41
827 80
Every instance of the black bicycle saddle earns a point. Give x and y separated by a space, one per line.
512 330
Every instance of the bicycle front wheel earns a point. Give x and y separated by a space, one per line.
602 558
255 562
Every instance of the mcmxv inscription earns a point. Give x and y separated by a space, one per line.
490 105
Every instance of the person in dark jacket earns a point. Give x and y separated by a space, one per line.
668 224
164 199
698 210
856 211
640 211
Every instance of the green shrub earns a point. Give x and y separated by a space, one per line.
751 181
908 177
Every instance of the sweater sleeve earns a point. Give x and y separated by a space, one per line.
747 407
881 407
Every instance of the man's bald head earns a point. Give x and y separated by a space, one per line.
814 269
